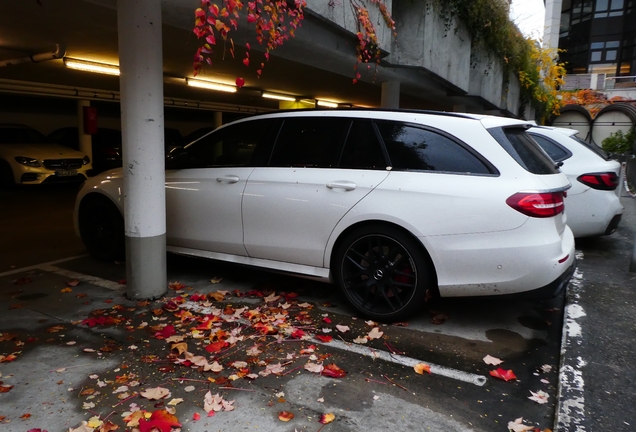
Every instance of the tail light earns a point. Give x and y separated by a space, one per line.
537 204
600 181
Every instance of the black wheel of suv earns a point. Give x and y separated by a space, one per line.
383 272
102 229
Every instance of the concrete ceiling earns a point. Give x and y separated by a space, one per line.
88 30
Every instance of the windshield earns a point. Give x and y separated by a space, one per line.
21 135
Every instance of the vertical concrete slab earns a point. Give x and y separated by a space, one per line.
552 24
141 85
390 95
85 140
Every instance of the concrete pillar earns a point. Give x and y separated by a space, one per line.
85 140
142 121
552 24
390 94
593 81
218 119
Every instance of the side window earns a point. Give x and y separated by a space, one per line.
555 151
362 149
234 145
310 142
414 148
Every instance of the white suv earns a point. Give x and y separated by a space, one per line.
389 205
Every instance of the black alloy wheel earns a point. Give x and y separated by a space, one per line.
102 229
384 273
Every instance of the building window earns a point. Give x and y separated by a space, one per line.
610 55
596 56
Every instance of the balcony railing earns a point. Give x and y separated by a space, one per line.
599 82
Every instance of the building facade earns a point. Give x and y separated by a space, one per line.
597 36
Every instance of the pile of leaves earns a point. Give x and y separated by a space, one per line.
213 346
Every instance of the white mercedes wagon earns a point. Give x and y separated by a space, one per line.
389 205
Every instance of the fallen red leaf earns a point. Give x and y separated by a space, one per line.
505 375
297 334
324 338
160 419
5 388
327 320
285 416
196 416
7 358
166 332
25 416
333 371
215 347
22 281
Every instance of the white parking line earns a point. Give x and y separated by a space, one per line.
93 280
478 380
39 266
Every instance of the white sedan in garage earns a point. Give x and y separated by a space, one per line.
593 207
28 158
390 205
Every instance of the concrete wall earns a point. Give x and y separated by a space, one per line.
342 13
440 49
425 41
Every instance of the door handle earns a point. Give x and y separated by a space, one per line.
346 185
228 179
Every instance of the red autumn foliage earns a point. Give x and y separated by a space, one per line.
324 338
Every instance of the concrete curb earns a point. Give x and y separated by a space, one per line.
570 408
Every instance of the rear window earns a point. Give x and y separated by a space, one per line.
593 147
523 149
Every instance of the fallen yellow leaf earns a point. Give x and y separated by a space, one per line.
420 368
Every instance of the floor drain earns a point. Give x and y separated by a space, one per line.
33 296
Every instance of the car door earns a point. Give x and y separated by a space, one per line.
204 192
291 207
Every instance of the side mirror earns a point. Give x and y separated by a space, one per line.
177 158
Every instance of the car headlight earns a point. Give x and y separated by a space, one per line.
86 160
27 161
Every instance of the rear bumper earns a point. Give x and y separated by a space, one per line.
613 225
552 289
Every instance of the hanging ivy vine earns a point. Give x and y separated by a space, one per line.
487 21
275 21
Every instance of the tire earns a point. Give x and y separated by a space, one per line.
384 272
102 229
7 181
